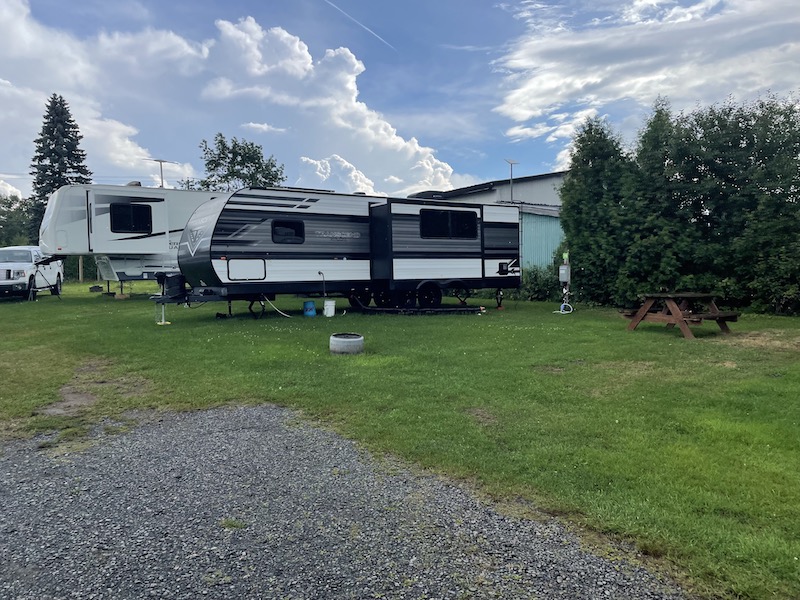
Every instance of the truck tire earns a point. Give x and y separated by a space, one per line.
55 290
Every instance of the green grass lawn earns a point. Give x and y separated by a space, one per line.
689 448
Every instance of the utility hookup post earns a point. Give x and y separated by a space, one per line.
564 279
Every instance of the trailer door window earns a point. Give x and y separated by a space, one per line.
288 232
449 224
131 218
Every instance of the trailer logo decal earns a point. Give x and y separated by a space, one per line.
340 235
195 237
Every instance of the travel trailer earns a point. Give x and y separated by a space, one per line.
131 231
256 243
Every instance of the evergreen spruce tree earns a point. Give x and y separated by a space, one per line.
57 161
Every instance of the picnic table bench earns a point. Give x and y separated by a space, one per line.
681 309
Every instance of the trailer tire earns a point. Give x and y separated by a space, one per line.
347 343
405 299
359 298
383 298
430 296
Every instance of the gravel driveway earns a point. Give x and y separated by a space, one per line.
254 503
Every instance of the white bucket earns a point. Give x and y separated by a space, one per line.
330 308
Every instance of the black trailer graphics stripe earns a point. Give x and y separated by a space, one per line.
102 204
262 197
421 255
266 205
141 237
242 254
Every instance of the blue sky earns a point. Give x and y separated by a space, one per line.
373 96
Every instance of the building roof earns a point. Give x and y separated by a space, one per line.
548 210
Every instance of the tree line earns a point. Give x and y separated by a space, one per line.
706 200
58 160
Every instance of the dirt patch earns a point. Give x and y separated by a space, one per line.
92 381
93 366
554 369
72 402
770 340
481 416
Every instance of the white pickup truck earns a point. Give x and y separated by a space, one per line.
24 272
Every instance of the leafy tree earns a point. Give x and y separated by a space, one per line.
236 164
58 159
14 221
592 209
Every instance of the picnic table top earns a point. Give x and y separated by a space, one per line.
680 295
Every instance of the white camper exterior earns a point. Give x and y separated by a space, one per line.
132 231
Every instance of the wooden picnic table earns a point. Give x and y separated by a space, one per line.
681 309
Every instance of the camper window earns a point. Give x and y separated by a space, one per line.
288 232
448 224
131 218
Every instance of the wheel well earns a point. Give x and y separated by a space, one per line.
428 282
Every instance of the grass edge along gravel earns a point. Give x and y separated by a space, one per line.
688 448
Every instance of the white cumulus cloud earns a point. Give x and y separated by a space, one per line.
570 66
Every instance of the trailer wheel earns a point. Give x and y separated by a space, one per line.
430 296
360 298
406 299
395 299
383 298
